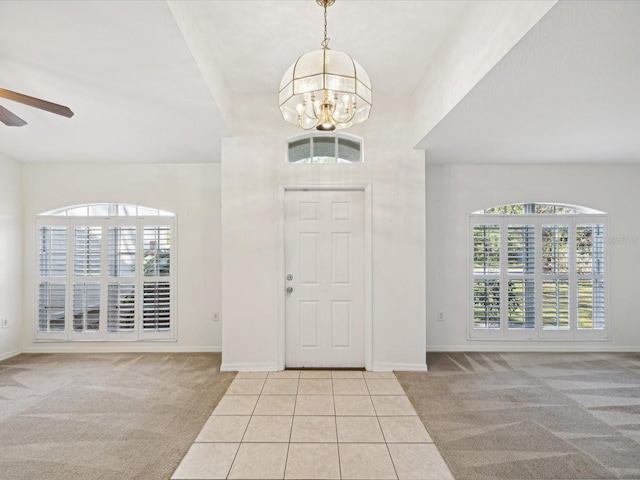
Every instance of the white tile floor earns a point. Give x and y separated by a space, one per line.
316 424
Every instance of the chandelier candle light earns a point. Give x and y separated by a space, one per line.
325 89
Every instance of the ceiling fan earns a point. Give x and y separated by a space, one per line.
12 120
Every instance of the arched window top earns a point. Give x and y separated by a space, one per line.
107 210
324 148
538 209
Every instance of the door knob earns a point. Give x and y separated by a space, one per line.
289 289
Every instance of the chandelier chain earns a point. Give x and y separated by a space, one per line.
325 42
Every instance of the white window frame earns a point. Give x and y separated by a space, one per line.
138 333
538 332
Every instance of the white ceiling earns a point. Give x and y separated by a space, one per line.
125 69
569 91
122 67
255 41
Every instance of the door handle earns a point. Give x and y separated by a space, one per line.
289 289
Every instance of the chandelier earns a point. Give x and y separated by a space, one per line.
325 89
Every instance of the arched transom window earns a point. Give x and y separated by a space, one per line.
318 148
538 271
105 272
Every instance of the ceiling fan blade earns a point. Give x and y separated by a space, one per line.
10 119
36 102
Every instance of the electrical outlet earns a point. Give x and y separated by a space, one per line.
5 323
216 317
441 316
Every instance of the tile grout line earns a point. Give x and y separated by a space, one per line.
382 431
245 428
335 421
293 417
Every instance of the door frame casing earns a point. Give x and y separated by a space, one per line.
365 188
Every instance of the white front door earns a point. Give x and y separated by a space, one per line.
325 269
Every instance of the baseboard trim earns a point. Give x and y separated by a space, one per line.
533 348
398 367
137 348
249 367
8 355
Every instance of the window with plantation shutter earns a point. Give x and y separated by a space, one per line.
105 272
538 272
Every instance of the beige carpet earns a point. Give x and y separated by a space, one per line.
103 416
526 416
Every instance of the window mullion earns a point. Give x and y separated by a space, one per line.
68 315
139 278
538 276
104 279
504 278
573 279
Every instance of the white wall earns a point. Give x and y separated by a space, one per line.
253 169
192 192
454 191
10 255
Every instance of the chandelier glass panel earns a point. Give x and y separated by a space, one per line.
325 89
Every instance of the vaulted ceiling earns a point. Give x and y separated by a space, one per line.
155 81
568 92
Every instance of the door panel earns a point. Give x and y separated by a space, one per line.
340 258
308 263
340 323
324 254
308 324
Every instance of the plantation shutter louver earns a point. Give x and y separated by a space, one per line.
87 256
86 307
555 272
52 306
590 276
486 268
521 281
121 307
52 284
121 290
156 290
53 251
